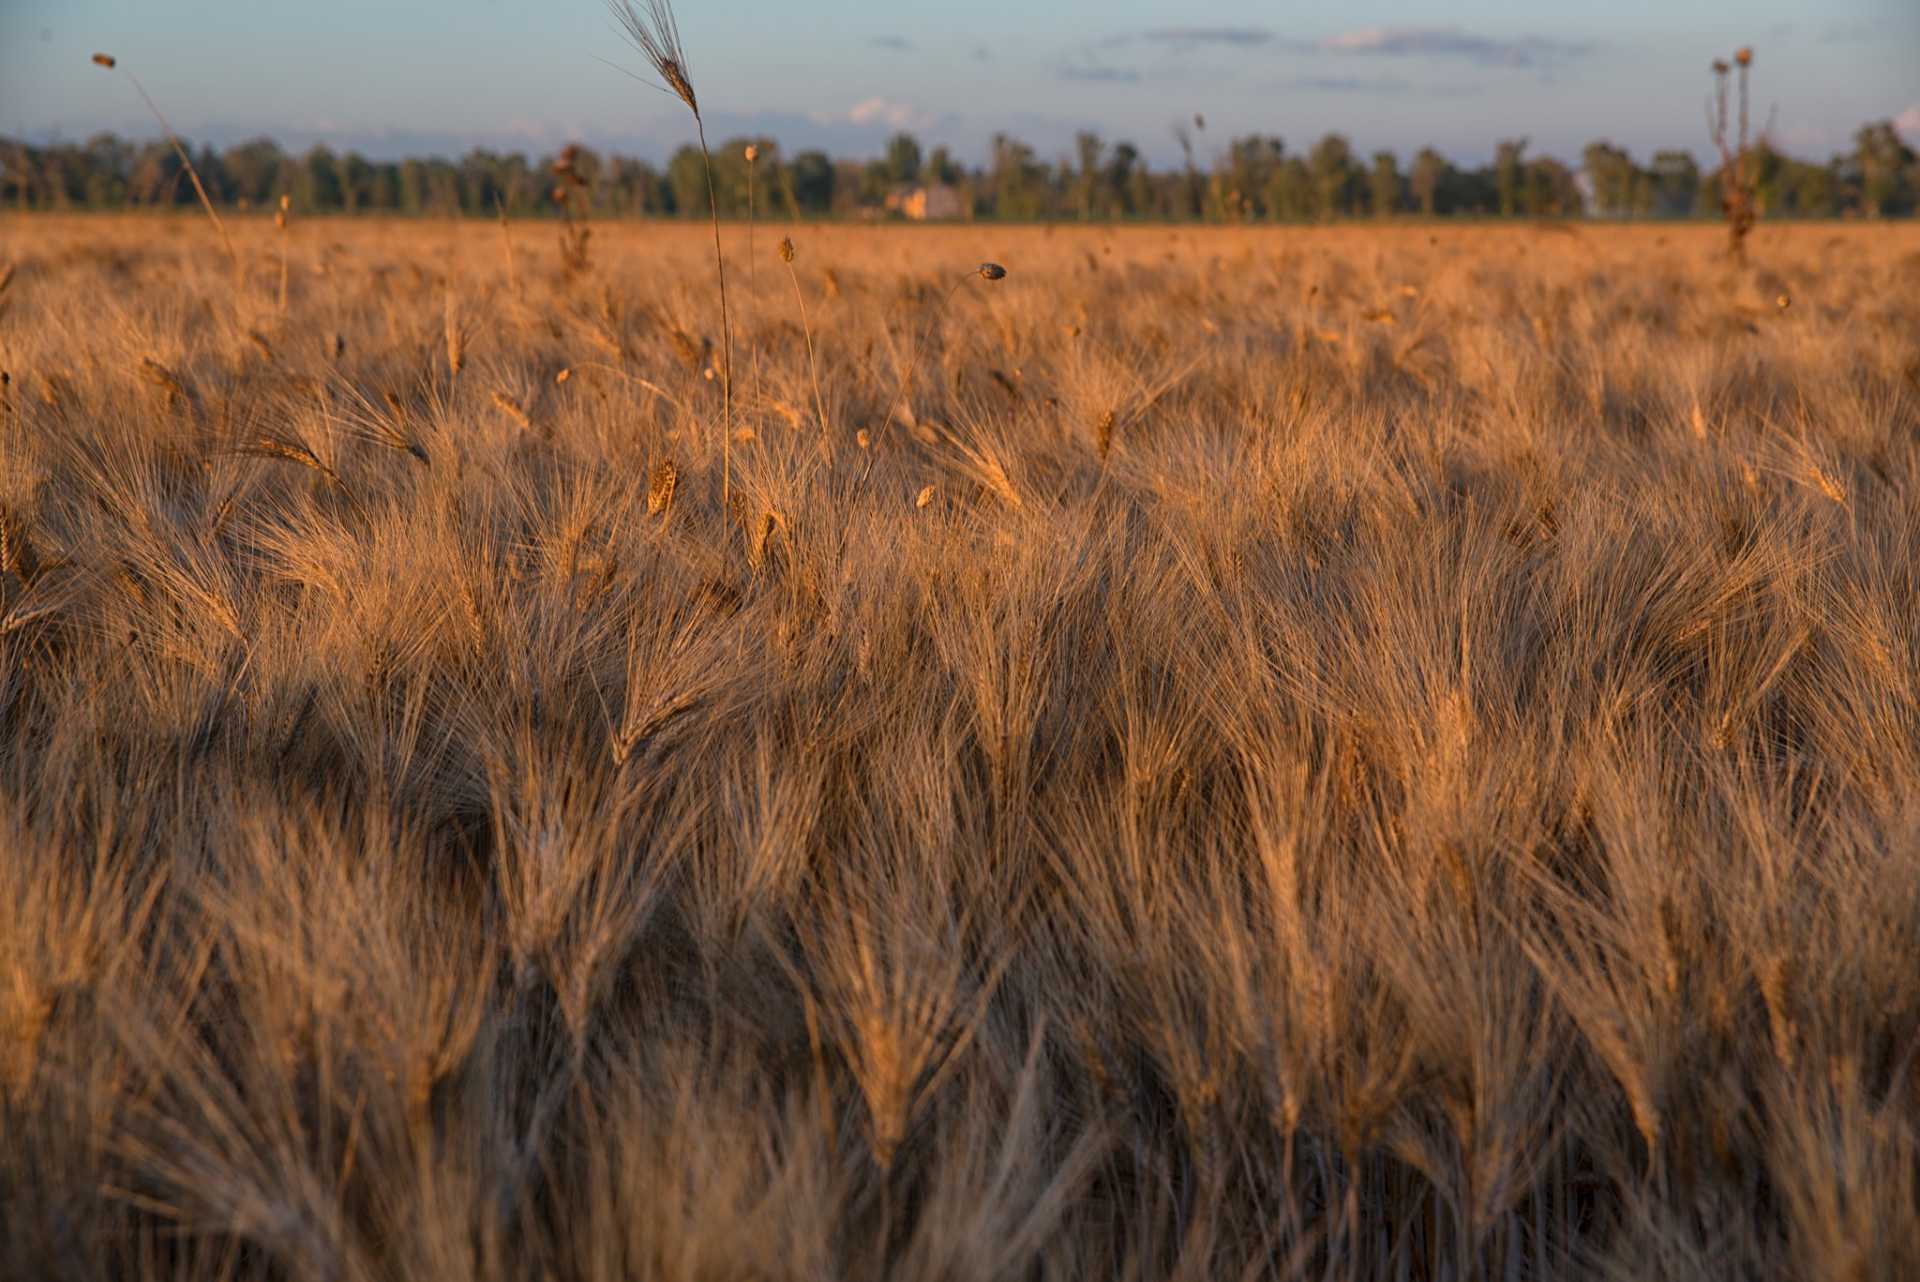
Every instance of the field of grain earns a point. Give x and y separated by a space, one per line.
1363 752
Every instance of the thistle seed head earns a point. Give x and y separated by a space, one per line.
104 60
993 271
786 249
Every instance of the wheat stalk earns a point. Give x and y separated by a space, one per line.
513 410
456 335
111 63
806 325
752 154
17 555
651 28
661 484
290 450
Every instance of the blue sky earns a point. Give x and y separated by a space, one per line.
396 76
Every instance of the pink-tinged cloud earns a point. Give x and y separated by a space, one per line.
878 113
1455 42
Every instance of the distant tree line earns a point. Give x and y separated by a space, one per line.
1255 178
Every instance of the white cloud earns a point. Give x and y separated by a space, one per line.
878 112
1908 122
1454 42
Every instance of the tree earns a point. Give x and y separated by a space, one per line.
413 186
687 177
254 170
1331 163
356 181
383 187
1091 153
1813 191
1610 170
1192 193
318 181
1247 173
633 188
1883 161
1118 175
1017 185
876 180
812 177
1429 172
1252 176
1290 192
1676 183
903 158
153 179
1507 174
941 167
1767 170
1383 187
1550 190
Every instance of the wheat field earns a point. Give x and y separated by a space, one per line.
1370 752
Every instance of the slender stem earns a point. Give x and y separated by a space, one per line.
205 202
819 405
753 279
726 328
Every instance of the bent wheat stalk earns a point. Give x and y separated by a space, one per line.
111 63
652 30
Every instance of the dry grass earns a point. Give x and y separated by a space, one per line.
1378 754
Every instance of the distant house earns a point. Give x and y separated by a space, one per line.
932 202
